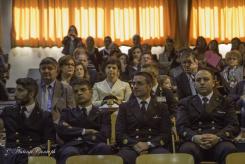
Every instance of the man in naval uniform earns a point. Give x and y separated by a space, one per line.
207 122
142 125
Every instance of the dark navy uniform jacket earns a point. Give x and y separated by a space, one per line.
74 121
132 127
29 132
219 118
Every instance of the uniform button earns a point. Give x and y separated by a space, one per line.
93 138
212 122
200 123
213 128
125 141
16 133
149 137
30 139
17 141
136 130
199 129
149 130
137 137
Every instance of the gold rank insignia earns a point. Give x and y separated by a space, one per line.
125 141
227 134
93 137
162 142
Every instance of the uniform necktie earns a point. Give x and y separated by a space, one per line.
49 101
84 111
23 110
205 102
143 108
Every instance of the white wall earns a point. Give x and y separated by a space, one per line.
6 18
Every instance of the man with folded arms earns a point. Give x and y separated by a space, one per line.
84 129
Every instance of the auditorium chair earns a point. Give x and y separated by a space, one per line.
175 158
41 160
94 159
235 158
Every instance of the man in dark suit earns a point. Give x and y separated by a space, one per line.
53 96
28 128
143 124
207 122
162 95
185 81
84 129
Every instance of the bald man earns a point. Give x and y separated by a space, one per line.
207 122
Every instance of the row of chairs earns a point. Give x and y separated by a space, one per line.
175 158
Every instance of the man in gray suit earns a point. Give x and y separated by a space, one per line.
53 96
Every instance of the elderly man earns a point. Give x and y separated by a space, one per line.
53 95
143 124
207 122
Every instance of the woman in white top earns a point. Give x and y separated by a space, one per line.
112 85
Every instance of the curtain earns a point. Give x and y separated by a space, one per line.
217 19
46 22
1 32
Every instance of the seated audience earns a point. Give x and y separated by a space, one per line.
81 72
162 95
134 61
66 69
78 52
112 85
168 59
71 41
166 82
93 53
136 42
114 51
123 58
84 129
242 51
28 128
142 125
233 72
200 49
238 94
105 52
53 95
213 49
235 42
146 59
93 74
207 122
185 81
3 91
